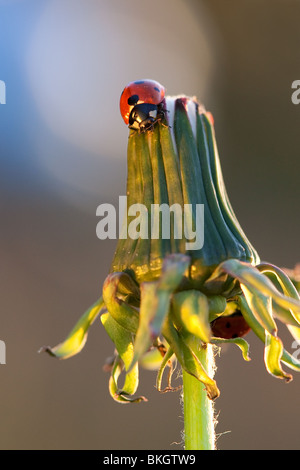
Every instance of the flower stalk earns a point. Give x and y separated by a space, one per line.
199 422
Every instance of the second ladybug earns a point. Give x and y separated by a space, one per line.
141 104
232 326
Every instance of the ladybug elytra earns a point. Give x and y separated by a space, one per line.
232 326
141 104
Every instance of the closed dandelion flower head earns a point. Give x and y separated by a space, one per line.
183 268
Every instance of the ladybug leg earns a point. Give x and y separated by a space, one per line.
166 125
147 124
161 116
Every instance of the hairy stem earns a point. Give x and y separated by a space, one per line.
199 423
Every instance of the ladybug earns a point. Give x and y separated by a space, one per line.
232 326
141 104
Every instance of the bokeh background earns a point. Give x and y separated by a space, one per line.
63 152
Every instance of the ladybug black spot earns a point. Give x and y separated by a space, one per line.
156 89
139 82
133 99
233 326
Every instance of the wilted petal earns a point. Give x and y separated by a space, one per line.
152 359
148 308
173 270
188 359
295 331
155 302
114 288
191 310
294 275
217 304
273 355
123 341
291 361
76 340
122 396
166 361
253 279
261 307
240 342
284 315
286 284
288 289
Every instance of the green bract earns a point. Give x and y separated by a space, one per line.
160 297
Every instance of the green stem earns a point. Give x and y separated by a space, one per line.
199 421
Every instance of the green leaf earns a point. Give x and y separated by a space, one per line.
76 339
273 355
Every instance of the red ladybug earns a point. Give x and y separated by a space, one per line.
141 104
233 326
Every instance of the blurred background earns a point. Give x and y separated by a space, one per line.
63 152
